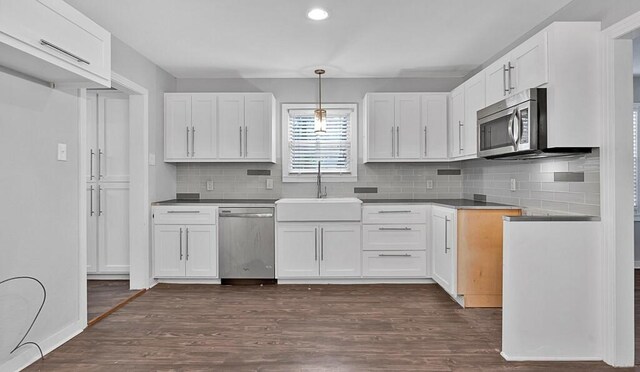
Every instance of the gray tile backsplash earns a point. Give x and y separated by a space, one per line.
393 180
544 186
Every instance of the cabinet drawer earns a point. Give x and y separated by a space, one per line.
394 264
58 29
402 214
185 215
394 237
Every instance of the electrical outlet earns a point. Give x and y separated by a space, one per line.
429 184
62 152
269 184
210 185
514 185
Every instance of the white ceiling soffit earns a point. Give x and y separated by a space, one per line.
361 38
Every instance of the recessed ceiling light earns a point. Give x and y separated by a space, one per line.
318 14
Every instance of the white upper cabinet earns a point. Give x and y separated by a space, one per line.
434 126
52 41
456 123
405 127
524 67
219 127
474 100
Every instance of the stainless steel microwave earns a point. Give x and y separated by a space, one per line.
516 128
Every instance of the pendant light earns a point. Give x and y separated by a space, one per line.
320 115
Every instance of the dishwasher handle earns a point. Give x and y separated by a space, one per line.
246 215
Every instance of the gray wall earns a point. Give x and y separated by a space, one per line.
393 180
536 189
39 216
132 65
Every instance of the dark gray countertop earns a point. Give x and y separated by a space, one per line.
451 203
551 218
214 201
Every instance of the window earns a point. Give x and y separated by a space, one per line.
302 148
636 186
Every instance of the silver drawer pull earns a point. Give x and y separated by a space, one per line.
394 228
183 211
53 46
394 255
394 211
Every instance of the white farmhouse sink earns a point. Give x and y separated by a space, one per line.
328 209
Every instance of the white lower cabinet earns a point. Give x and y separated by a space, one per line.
312 250
444 248
395 264
181 248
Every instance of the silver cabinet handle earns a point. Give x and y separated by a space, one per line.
460 126
394 255
55 47
398 141
181 244
187 243
322 244
504 80
425 141
100 153
393 143
91 213
183 211
446 235
92 155
193 141
511 87
99 200
246 135
394 228
240 141
188 155
394 211
316 245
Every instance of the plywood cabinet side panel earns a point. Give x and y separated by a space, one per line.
480 251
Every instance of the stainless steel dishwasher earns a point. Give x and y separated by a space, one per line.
247 243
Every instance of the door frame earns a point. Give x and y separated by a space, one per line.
617 192
139 211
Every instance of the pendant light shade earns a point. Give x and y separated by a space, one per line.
320 115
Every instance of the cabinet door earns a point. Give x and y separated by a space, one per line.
442 235
496 81
92 136
381 126
113 137
177 124
201 251
92 229
258 124
297 251
340 250
456 124
168 251
474 93
113 228
231 126
408 126
204 126
434 122
529 63
409 237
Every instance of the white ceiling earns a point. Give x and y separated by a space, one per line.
361 38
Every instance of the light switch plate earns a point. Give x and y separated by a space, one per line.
514 185
429 184
62 152
269 184
210 185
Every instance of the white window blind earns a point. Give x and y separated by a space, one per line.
333 148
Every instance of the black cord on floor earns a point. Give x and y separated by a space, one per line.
21 343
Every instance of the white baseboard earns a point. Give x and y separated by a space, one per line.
550 359
107 276
357 281
187 281
636 264
27 355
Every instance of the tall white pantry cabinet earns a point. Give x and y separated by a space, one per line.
107 183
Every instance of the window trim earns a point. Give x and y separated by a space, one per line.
636 211
326 177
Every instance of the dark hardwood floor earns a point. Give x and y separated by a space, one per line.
294 328
104 295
